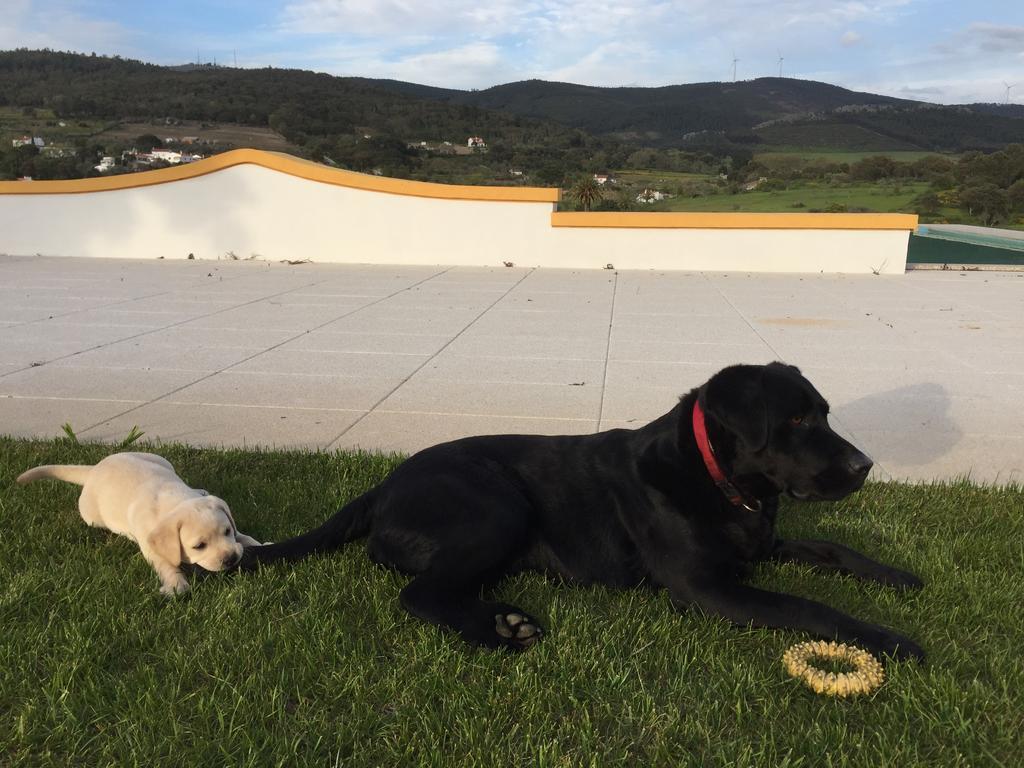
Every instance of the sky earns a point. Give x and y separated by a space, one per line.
944 51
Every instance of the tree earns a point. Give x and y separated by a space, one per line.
873 168
928 203
586 192
551 173
986 201
147 142
1015 196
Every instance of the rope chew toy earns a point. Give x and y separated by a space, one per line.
865 678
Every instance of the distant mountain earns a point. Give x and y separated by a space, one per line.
670 111
766 112
769 110
300 104
1006 110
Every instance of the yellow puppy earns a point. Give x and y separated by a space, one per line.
140 496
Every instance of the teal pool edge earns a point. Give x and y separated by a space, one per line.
923 249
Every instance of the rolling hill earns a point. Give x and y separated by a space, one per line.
307 107
770 110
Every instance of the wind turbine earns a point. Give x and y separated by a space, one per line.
734 60
780 63
1008 87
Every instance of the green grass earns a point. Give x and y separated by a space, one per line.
874 197
842 155
316 663
654 176
14 124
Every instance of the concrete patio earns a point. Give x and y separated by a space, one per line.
925 371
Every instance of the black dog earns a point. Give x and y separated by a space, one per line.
686 503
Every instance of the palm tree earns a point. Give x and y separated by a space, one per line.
586 192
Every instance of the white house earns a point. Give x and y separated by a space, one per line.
105 165
651 196
475 142
168 155
25 141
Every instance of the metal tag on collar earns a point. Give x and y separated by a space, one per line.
732 493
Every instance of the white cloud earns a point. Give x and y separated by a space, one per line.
462 67
609 64
985 38
898 47
980 86
969 65
403 18
598 42
60 25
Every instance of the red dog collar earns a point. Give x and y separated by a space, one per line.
731 492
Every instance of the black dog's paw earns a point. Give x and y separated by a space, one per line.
893 577
516 630
900 648
195 571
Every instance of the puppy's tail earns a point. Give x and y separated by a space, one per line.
350 522
71 473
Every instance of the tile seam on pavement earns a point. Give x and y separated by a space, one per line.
268 349
608 349
431 357
922 287
151 331
72 399
483 415
325 409
106 306
740 314
858 441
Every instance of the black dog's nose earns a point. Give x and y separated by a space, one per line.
231 560
859 464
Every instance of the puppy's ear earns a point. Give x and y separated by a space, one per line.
735 398
165 539
227 511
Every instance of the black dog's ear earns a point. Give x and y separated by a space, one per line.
784 366
735 397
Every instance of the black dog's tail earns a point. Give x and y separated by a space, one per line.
350 522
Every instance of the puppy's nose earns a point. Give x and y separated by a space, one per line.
231 560
859 464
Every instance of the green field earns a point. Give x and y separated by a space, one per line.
803 197
223 134
640 176
841 155
15 124
316 663
825 134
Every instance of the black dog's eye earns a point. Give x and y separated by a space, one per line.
796 421
200 545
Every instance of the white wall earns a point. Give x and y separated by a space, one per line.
248 209
743 250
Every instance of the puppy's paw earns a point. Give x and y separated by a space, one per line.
174 587
516 630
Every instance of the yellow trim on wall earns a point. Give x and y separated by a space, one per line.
293 166
737 220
